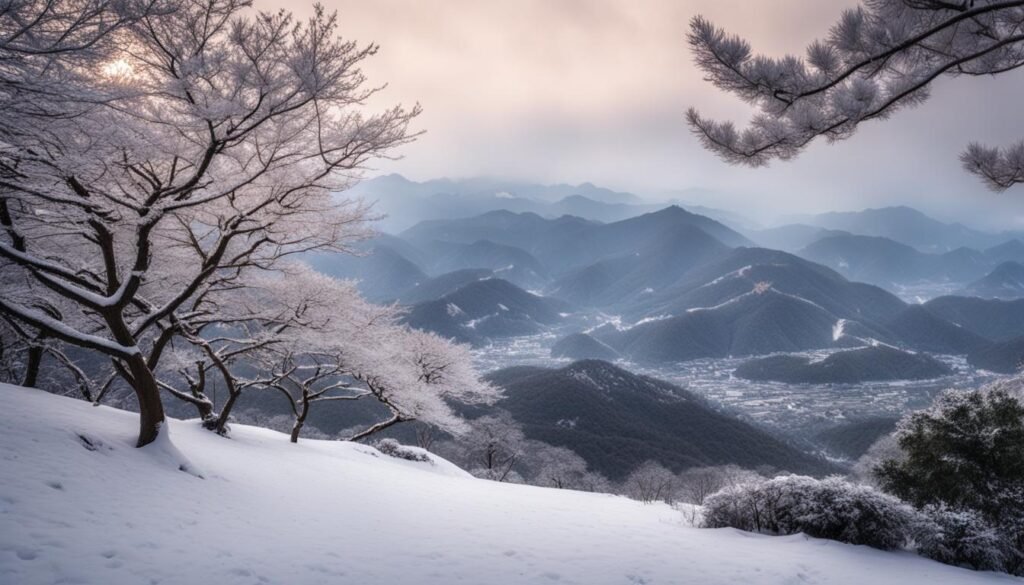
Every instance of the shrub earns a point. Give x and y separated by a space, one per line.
393 448
963 459
963 538
832 508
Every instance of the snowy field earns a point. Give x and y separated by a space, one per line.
79 504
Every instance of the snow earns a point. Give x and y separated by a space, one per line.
651 319
326 512
837 329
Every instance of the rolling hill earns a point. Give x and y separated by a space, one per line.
508 262
483 310
907 226
923 330
614 418
383 273
580 346
623 279
740 270
868 364
994 319
569 242
1006 281
760 321
1003 357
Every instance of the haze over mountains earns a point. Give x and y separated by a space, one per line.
590 274
679 285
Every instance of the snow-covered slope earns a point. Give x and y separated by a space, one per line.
78 504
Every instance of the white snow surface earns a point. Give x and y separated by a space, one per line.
327 512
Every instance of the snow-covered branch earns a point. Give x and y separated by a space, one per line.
152 154
879 58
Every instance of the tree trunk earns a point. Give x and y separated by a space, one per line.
221 425
151 408
206 415
35 358
300 420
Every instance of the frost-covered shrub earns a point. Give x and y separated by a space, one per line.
965 453
393 448
963 538
832 508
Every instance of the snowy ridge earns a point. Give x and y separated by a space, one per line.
760 288
81 505
741 273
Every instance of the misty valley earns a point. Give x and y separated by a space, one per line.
788 341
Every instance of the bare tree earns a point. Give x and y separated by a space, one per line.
213 142
562 468
650 482
303 384
696 484
492 448
880 57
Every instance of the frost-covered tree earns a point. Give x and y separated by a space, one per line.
492 449
416 375
312 338
879 57
180 147
694 485
229 332
562 468
650 482
23 354
966 453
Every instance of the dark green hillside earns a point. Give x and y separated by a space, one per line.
994 319
614 419
1004 357
867 364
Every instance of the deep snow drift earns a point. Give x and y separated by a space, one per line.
79 504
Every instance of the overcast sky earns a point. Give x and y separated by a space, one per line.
595 90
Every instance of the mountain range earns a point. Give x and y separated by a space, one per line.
907 226
684 286
889 263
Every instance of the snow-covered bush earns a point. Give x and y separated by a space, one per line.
650 482
832 508
965 454
393 448
963 538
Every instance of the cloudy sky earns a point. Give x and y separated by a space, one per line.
595 90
